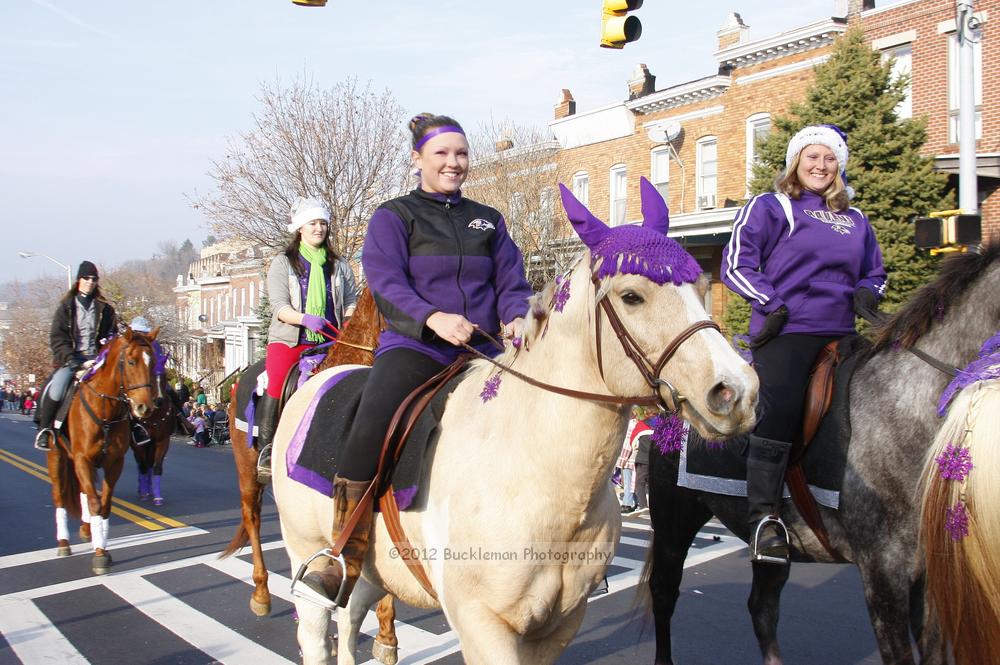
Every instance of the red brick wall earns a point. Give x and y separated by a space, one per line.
930 79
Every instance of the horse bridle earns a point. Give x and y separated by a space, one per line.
121 397
649 371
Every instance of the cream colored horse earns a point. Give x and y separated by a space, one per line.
523 477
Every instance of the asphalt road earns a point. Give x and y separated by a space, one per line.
169 599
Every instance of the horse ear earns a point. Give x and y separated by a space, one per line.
128 334
655 214
156 331
590 229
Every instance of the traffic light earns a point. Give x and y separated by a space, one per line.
618 29
309 3
949 230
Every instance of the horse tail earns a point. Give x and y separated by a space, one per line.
960 524
239 541
69 486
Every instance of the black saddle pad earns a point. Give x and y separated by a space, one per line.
317 448
246 401
720 467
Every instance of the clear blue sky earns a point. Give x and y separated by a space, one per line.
113 111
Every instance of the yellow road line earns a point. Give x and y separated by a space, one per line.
119 507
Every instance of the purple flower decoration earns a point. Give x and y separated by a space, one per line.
490 388
561 296
954 463
516 342
956 521
668 433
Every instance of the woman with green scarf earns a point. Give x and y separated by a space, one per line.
310 288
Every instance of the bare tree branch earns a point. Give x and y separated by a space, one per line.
344 144
515 171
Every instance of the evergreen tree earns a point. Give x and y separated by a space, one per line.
855 91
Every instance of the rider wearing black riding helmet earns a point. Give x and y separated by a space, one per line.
83 319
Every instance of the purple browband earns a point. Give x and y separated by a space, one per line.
438 130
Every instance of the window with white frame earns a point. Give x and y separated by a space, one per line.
618 195
902 66
659 170
581 187
758 127
953 84
707 178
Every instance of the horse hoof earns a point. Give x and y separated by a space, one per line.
384 654
63 548
102 563
85 532
158 501
260 609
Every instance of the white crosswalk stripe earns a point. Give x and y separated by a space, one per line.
33 639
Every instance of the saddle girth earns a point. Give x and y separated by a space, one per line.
817 401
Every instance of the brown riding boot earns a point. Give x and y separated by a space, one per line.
327 582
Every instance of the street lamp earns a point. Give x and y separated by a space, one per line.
69 277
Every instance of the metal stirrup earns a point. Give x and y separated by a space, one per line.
309 595
755 552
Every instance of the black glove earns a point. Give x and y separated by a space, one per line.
865 302
773 324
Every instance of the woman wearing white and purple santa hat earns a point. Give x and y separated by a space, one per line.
806 262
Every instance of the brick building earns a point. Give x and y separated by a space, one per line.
215 306
695 140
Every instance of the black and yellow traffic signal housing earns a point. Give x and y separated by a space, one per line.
947 231
617 28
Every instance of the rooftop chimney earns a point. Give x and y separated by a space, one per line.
566 106
733 32
642 82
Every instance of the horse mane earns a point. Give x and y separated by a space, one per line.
927 306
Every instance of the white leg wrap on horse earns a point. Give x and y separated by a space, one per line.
62 524
99 532
84 508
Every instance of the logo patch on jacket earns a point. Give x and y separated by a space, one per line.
481 225
842 224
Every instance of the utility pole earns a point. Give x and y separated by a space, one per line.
966 24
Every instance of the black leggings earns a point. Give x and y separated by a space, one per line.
783 365
395 374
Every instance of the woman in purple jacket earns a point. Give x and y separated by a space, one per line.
806 261
442 269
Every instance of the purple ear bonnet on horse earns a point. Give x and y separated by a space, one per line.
633 250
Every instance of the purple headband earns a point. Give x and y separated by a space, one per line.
438 130
634 250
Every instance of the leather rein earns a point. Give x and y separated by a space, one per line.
122 398
650 371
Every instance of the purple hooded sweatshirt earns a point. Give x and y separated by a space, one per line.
812 263
427 253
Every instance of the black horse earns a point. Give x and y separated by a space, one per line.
893 424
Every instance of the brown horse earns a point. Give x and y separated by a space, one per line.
149 457
355 346
97 436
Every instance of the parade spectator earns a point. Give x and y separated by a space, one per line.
413 258
197 419
627 459
807 262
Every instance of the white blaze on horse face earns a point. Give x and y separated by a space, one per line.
707 354
146 358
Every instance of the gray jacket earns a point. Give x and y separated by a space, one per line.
283 291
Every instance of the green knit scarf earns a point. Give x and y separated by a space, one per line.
316 292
